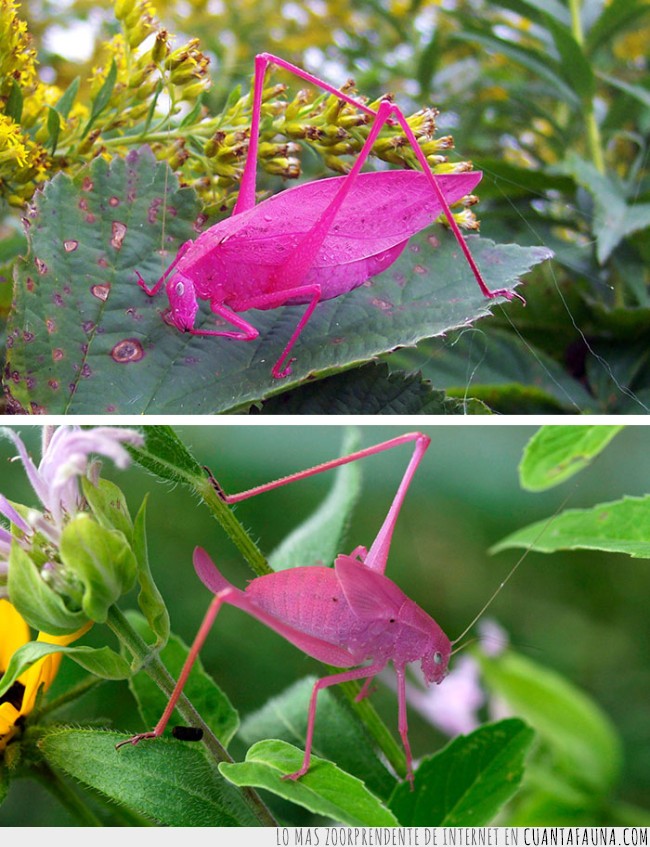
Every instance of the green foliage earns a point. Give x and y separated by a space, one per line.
556 453
171 783
106 338
550 100
325 789
468 782
556 759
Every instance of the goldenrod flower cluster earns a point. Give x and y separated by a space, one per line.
146 91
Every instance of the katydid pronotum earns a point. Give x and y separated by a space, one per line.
312 242
349 616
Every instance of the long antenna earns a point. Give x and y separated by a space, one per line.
512 571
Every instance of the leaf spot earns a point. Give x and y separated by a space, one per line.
58 354
128 350
70 245
41 267
101 292
119 231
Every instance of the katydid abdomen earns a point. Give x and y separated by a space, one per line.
263 251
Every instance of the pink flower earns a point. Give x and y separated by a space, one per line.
66 456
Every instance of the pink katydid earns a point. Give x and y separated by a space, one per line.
312 242
349 616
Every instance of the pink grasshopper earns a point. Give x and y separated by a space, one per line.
349 616
313 242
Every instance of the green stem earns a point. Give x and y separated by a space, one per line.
594 141
235 531
375 727
158 673
65 795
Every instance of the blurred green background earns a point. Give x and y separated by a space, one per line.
584 615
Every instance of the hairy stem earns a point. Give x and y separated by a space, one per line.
158 673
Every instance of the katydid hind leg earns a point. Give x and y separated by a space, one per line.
377 557
197 644
266 59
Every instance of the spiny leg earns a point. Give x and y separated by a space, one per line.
325 682
247 331
247 193
201 635
402 724
377 556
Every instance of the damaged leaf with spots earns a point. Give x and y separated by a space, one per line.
83 338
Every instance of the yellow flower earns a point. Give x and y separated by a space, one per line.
19 701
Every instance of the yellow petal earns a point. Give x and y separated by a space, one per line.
44 671
14 632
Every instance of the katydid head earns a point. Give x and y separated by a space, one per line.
435 662
182 302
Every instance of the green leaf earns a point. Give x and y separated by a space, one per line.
616 15
468 782
150 599
582 740
556 453
574 65
498 368
101 661
101 345
319 539
622 526
66 100
338 735
53 128
637 91
170 782
205 695
325 789
39 605
102 560
14 106
536 61
164 454
614 219
102 99
108 505
369 390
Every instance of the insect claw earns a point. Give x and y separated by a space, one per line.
135 739
295 776
505 292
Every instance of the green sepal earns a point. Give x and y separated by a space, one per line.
102 560
108 505
39 605
150 599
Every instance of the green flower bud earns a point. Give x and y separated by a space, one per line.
101 559
37 601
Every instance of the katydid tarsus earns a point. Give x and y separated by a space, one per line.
312 242
349 616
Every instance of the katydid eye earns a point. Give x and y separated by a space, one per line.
437 658
180 288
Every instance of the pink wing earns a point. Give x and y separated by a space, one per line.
371 595
382 210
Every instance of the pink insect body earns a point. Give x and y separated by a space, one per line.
349 616
312 242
